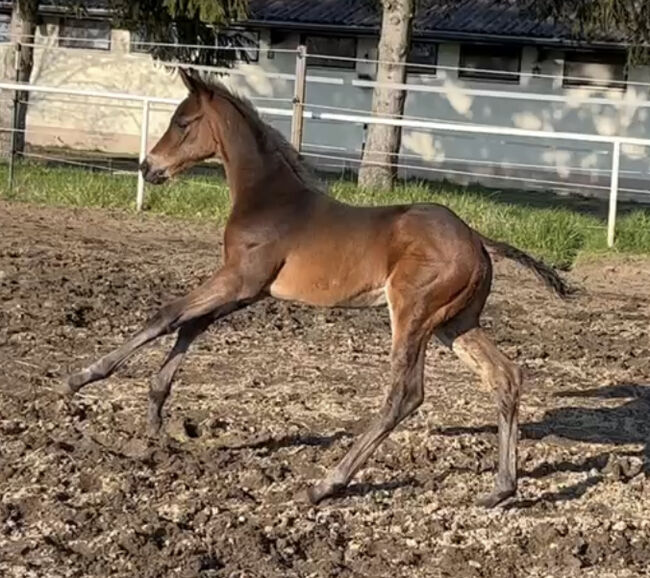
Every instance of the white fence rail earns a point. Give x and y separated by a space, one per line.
298 113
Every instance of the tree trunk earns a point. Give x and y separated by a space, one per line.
23 26
381 152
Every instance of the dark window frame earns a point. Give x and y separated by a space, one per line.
6 17
254 55
84 43
584 57
483 74
332 63
413 67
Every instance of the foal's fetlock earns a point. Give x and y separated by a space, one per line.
154 414
154 425
95 372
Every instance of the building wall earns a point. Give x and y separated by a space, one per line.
114 127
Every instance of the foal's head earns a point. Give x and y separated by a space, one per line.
190 137
212 121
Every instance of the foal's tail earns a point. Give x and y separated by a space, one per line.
544 272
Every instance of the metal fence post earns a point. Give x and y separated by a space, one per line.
144 133
613 193
299 97
14 120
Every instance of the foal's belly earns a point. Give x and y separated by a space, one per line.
334 288
367 298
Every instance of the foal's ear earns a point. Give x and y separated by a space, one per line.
188 79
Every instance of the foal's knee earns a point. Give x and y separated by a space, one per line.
164 321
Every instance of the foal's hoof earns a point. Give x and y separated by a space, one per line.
66 387
74 383
315 495
318 492
498 496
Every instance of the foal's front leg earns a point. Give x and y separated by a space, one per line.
224 291
161 383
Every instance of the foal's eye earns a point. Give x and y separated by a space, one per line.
183 123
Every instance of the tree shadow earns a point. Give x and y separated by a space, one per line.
294 440
271 444
365 488
575 202
624 424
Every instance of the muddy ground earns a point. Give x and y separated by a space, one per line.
271 397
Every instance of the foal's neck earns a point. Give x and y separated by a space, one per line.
255 177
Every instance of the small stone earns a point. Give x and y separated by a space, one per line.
619 526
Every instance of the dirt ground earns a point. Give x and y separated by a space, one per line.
271 397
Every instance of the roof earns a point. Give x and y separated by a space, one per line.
496 20
96 8
468 20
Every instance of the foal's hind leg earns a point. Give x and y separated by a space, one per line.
498 373
404 397
220 295
161 383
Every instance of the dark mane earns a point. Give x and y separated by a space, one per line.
269 138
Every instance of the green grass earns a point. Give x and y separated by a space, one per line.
558 235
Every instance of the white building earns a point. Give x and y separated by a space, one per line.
480 61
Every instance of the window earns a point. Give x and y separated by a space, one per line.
422 53
279 36
490 63
245 42
597 69
342 46
95 34
5 33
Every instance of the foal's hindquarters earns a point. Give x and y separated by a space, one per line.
438 284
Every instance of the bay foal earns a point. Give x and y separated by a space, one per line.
286 239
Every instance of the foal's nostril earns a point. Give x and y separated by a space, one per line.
144 167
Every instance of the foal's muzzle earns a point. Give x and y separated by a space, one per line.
151 174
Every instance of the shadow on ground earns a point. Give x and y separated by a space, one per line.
625 424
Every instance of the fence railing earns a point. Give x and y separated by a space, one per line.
299 112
